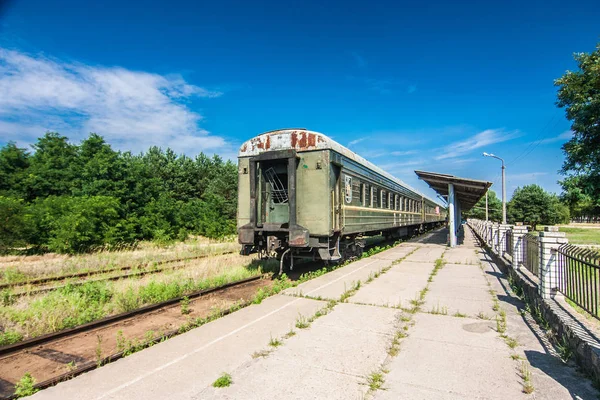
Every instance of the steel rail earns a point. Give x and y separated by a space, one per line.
42 280
36 341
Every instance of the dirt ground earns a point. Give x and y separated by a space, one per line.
55 358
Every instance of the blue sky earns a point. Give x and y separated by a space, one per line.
408 86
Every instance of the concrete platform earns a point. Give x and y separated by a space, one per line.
427 254
401 284
459 288
332 285
458 356
180 367
353 342
443 357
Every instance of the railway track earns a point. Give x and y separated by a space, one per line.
60 346
148 268
47 344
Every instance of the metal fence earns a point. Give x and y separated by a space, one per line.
532 254
579 270
508 242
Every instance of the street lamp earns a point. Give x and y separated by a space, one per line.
503 186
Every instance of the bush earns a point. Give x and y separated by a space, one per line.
15 224
74 224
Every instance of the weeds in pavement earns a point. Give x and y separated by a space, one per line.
302 322
526 376
274 342
375 380
460 315
224 380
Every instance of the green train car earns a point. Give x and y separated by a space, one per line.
303 195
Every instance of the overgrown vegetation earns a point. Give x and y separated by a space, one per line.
74 305
578 94
69 198
224 380
26 386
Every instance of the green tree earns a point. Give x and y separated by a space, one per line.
579 94
53 167
494 208
15 224
14 162
533 205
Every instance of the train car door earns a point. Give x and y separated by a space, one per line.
275 206
336 196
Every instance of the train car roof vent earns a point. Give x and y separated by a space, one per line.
283 129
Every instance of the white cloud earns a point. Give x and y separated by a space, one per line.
131 109
357 141
566 135
403 153
487 137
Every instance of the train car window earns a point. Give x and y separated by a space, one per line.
372 197
396 202
362 194
390 201
382 199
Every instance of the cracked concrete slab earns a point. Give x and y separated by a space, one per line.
183 365
401 284
352 342
450 362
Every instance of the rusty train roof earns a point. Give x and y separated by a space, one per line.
304 140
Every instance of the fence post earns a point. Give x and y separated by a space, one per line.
518 241
550 240
495 238
502 230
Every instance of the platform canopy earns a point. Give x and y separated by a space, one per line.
467 191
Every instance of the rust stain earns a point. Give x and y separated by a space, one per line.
302 140
311 140
244 148
294 139
268 144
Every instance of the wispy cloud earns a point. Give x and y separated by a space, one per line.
566 135
403 153
132 109
485 138
357 141
360 61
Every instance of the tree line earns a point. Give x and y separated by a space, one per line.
69 198
530 204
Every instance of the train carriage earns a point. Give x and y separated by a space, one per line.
304 195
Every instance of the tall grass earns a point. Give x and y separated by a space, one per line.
78 304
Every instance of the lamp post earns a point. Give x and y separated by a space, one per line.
503 186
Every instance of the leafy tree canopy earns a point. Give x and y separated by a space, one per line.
533 205
579 94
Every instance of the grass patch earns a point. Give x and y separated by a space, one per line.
483 315
437 310
581 235
375 380
274 342
302 322
224 380
526 376
511 342
460 315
